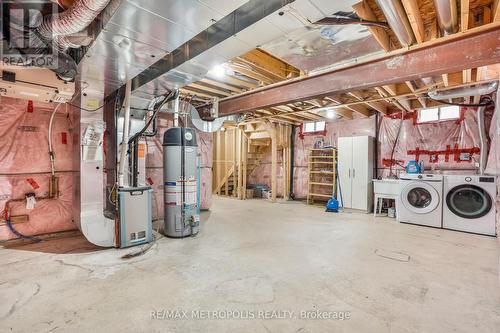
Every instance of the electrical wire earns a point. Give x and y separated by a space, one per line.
20 235
142 250
169 97
488 101
84 109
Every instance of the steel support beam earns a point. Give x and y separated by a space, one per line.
240 19
472 49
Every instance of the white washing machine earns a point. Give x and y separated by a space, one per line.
470 204
420 199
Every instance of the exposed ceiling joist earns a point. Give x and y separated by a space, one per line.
495 16
238 82
445 55
242 69
377 106
464 15
208 89
416 22
413 88
221 85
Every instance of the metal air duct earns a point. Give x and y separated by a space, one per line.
396 16
447 17
477 90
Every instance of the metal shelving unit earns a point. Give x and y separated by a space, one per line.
321 174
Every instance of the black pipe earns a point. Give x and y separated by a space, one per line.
135 138
135 166
340 20
292 158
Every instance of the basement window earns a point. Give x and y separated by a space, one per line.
450 112
314 127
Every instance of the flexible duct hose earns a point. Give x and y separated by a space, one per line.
73 20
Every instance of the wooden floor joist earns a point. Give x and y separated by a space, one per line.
445 55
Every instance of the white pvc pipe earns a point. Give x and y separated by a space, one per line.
126 130
176 111
51 152
482 139
478 90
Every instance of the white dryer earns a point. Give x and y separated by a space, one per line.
420 199
470 204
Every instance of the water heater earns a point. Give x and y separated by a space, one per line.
180 176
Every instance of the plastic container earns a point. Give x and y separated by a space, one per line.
413 167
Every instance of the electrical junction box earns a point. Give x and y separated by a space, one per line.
136 220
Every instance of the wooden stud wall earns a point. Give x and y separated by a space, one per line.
238 150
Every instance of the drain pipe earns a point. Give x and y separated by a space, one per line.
176 111
126 130
482 139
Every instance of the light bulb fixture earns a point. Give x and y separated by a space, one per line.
218 71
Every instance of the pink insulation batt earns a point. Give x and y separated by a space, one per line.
25 166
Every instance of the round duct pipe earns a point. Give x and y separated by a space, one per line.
396 16
477 90
447 17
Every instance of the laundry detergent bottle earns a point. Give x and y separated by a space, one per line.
413 167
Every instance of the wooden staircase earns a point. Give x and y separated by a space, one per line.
240 148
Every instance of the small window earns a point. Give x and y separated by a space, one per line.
314 126
443 113
449 112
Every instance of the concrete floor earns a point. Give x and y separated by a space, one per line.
255 258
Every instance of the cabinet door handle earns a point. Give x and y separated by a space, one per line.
349 172
353 173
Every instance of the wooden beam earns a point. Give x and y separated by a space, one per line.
238 82
271 128
377 106
259 69
467 75
416 22
413 88
208 89
486 15
360 109
293 118
495 16
344 112
364 11
250 73
445 80
188 91
221 85
464 15
384 93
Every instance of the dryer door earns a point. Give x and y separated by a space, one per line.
469 201
420 198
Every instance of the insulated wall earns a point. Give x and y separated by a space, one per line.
443 140
334 130
25 165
